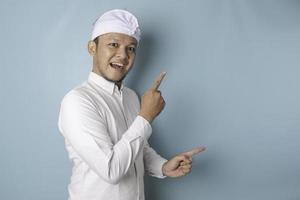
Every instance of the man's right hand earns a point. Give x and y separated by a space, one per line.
152 102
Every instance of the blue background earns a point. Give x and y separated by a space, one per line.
232 85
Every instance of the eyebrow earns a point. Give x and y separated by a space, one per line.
132 43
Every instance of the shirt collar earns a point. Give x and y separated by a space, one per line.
108 86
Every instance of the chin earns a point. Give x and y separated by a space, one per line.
115 79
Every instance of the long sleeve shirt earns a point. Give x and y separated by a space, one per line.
107 141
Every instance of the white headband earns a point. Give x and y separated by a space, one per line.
117 21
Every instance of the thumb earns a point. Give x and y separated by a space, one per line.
181 158
194 151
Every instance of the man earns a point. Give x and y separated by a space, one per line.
106 128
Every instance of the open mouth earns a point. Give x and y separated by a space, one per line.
118 66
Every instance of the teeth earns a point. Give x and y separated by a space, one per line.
118 64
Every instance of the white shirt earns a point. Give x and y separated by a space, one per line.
107 141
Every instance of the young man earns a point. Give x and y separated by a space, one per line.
106 128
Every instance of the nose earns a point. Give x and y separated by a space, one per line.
122 54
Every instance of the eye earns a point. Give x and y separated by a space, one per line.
131 49
113 44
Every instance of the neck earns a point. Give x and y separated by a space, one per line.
119 84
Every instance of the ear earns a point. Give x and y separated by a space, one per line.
92 47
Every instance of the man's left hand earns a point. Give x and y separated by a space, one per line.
181 164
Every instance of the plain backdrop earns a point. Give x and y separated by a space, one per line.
232 85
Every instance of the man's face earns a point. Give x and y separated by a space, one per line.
114 56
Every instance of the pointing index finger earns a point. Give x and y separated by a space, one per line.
194 151
158 81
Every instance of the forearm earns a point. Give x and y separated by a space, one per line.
153 162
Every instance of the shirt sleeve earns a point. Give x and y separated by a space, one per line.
153 162
84 127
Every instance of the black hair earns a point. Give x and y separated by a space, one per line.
96 40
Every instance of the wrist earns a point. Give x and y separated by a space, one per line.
163 170
146 117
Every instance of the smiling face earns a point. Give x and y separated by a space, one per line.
113 56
